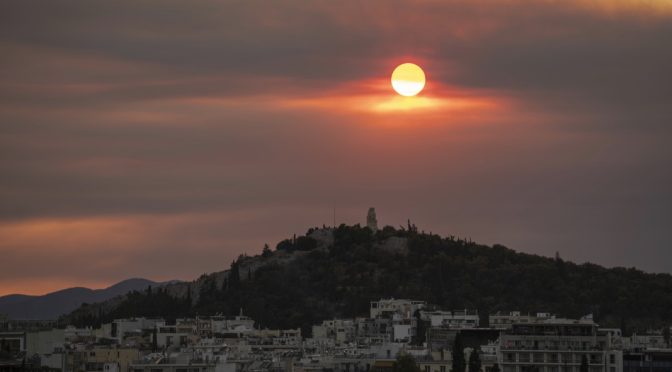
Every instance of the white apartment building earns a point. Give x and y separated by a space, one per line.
453 319
340 330
500 320
122 327
387 307
558 345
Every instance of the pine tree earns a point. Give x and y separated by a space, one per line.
266 252
458 354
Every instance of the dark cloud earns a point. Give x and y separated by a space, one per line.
196 120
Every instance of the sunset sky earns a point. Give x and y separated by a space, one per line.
163 139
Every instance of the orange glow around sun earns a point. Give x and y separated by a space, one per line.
373 96
408 79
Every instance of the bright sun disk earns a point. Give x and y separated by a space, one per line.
408 79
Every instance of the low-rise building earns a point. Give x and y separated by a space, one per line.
647 361
387 307
507 320
453 319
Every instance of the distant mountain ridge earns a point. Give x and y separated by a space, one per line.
54 304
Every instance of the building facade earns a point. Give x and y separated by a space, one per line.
558 345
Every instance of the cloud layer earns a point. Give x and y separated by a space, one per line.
139 139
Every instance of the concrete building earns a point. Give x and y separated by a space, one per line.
25 325
45 341
641 342
239 323
442 338
173 336
103 358
13 342
647 361
122 328
501 320
452 319
386 308
341 331
558 345
182 362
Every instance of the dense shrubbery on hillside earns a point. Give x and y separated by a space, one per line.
452 273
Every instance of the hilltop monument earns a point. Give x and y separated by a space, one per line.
371 221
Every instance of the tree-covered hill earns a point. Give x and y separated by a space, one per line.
336 273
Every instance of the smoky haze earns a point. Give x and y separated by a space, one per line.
163 140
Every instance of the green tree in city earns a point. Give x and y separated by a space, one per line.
458 354
421 328
405 363
474 361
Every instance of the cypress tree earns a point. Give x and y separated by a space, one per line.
474 361
458 354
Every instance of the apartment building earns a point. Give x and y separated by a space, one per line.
558 345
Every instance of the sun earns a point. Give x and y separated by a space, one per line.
408 79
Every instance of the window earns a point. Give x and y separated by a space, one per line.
612 359
443 368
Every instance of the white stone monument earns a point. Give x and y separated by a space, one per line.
371 221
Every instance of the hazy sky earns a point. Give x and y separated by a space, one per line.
163 139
